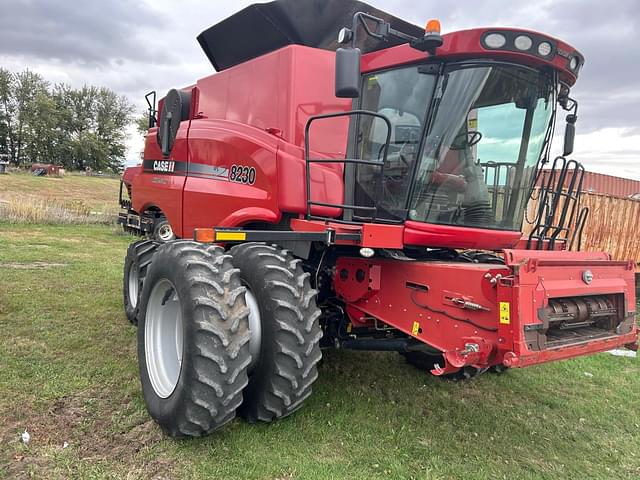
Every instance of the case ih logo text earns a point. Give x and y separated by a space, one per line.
164 166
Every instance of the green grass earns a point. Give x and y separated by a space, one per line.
68 373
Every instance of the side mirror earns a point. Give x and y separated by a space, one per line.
569 135
348 72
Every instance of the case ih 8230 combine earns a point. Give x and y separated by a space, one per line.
363 188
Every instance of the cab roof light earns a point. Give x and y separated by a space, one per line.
575 63
545 49
523 42
433 26
431 40
495 40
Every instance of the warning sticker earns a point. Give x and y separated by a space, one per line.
505 315
416 328
473 123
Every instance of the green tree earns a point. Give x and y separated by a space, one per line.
142 123
28 86
78 128
6 111
113 114
42 135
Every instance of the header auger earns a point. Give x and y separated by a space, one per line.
331 186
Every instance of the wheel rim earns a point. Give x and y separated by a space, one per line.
165 232
255 327
134 278
163 338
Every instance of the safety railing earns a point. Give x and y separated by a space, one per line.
559 217
346 161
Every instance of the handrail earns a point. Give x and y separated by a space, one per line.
556 198
374 163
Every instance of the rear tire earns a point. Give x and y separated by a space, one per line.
281 378
193 339
136 264
162 230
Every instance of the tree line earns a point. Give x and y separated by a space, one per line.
74 127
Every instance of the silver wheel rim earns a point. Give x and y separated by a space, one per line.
165 233
255 327
133 285
163 338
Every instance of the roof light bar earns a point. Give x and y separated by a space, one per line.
514 41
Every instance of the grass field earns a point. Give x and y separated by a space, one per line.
72 199
68 373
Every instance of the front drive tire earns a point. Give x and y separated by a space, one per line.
281 377
193 339
136 264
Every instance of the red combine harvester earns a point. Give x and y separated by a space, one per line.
362 188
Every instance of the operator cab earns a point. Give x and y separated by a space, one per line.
458 126
465 141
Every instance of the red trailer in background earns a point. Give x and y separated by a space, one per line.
48 169
360 188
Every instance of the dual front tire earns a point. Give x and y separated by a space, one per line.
193 339
136 264
281 296
220 334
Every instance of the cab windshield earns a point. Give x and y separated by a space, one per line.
486 127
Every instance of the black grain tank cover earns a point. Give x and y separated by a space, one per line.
266 27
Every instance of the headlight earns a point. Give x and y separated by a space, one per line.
573 63
344 36
544 49
522 42
495 40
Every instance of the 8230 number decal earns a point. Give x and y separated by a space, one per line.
242 174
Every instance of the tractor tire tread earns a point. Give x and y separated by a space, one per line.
280 387
216 348
139 255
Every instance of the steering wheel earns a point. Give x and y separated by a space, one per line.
466 140
399 151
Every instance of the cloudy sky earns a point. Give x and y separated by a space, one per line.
136 46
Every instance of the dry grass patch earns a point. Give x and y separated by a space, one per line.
49 211
73 199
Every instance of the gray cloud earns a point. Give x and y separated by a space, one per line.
90 32
605 32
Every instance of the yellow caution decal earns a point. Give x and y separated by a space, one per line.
231 236
416 328
505 314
